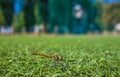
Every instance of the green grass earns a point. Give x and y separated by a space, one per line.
83 56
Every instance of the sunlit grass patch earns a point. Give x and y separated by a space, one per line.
83 56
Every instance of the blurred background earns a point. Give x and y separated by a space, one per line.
60 16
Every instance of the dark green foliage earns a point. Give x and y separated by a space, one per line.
59 11
111 15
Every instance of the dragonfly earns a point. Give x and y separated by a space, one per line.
55 57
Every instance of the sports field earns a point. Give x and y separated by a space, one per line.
83 56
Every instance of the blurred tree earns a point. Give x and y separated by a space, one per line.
99 8
7 9
2 21
44 13
29 16
111 15
37 12
59 12
16 19
98 5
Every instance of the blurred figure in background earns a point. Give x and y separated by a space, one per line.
29 16
82 17
79 21
7 9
